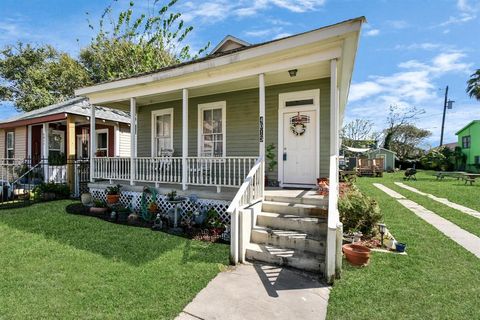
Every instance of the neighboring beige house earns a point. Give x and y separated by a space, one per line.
67 126
203 127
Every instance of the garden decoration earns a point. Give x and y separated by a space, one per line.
87 199
323 186
113 194
298 126
381 229
177 202
400 247
145 213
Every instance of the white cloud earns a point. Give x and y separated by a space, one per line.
216 10
422 46
398 24
468 12
462 18
282 35
414 84
262 32
372 33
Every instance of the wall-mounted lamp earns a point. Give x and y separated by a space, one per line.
293 72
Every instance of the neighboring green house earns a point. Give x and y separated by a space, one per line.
469 141
387 155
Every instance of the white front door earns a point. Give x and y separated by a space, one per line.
299 147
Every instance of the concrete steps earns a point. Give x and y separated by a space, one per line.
300 209
287 239
316 227
286 257
290 231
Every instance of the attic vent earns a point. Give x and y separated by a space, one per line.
296 103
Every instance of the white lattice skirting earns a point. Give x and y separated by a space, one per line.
133 200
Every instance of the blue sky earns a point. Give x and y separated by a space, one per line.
409 50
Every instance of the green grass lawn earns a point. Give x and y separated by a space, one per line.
438 279
56 265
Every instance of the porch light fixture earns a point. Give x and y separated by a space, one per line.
293 72
382 228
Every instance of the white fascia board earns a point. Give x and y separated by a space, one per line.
333 33
213 76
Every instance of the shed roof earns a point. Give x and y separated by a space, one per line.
78 106
383 149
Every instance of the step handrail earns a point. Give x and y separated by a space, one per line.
23 175
251 191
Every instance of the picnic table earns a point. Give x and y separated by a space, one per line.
470 177
453 174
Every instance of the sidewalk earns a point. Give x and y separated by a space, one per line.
258 291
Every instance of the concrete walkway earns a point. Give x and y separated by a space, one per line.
444 201
259 291
464 238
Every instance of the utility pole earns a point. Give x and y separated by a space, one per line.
447 104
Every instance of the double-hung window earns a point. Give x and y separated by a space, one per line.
10 147
102 143
56 142
162 131
211 128
466 142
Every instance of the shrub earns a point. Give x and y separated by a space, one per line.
113 190
358 212
61 191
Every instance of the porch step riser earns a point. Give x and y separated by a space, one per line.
298 210
281 241
313 228
308 264
295 200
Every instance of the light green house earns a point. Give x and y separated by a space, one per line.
203 127
469 141
388 157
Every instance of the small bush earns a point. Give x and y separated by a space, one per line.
61 191
358 212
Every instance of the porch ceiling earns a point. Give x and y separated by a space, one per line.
307 72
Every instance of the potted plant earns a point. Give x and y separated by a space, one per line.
113 194
172 196
99 207
122 213
356 254
271 158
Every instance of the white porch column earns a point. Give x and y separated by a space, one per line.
184 138
133 138
45 151
333 215
93 141
261 117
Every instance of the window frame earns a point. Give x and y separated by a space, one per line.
155 114
13 144
97 132
222 105
464 140
62 144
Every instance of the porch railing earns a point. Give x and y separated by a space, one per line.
205 171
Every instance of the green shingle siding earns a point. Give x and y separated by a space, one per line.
242 121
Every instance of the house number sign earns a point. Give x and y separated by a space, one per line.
261 129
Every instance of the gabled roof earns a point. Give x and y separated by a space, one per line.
77 106
468 125
229 43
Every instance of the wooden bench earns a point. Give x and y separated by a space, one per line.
469 179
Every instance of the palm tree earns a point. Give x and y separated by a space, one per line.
473 85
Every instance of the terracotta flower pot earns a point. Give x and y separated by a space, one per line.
356 254
98 210
113 198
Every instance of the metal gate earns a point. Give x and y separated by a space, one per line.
82 177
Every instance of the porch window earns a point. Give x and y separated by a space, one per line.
56 141
10 145
102 143
162 131
212 142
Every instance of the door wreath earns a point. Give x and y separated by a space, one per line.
298 126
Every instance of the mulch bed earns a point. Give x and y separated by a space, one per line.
201 234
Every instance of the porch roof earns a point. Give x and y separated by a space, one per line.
309 50
77 106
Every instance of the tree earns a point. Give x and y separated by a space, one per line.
128 45
358 131
34 77
473 85
406 139
397 117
